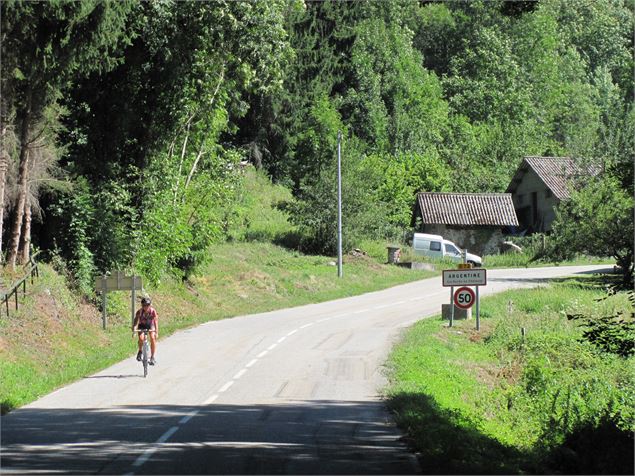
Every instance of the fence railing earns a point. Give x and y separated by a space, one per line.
33 270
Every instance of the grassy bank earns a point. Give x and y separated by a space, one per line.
495 402
55 338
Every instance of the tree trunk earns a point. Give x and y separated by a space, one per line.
25 252
4 165
22 192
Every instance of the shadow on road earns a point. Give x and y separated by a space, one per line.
115 376
294 438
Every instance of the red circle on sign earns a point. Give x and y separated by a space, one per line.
464 298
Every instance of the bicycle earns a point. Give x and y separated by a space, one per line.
145 350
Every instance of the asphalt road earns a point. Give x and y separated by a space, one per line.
294 391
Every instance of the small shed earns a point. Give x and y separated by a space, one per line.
476 221
540 184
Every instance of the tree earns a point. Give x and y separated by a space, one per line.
47 44
597 220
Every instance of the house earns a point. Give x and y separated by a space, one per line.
475 221
540 184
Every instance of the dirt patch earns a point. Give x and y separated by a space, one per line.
511 373
90 313
486 374
479 336
361 257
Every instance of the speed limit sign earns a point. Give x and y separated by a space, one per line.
464 298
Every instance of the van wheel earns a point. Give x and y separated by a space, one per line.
474 264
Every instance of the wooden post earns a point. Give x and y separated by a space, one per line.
478 310
103 293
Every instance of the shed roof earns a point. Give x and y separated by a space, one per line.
490 209
555 172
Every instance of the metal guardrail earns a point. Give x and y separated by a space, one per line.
33 271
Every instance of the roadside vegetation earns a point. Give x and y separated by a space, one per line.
56 337
494 402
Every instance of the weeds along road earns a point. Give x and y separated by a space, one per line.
294 391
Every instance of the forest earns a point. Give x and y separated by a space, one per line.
124 124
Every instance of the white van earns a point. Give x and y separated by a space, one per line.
435 246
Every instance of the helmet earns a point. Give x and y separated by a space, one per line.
146 301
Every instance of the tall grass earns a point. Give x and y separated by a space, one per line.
258 216
512 404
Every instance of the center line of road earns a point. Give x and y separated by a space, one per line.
281 339
262 354
240 374
188 417
251 363
211 399
225 387
306 325
272 346
150 451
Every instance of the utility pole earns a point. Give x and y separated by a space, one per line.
339 204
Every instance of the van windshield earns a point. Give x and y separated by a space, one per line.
451 249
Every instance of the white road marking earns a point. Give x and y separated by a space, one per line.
272 346
211 399
262 354
240 374
251 363
281 339
226 386
306 325
292 332
166 436
188 417
150 451
144 457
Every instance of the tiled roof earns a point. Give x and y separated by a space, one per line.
555 172
493 209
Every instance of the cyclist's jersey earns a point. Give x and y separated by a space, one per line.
147 319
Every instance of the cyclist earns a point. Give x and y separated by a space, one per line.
147 318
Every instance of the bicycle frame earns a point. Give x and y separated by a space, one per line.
145 350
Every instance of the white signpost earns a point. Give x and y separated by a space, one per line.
117 282
465 297
465 277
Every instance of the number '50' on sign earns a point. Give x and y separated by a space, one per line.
464 298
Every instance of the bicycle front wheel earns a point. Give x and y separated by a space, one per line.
145 358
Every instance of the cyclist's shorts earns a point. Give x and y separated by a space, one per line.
146 326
